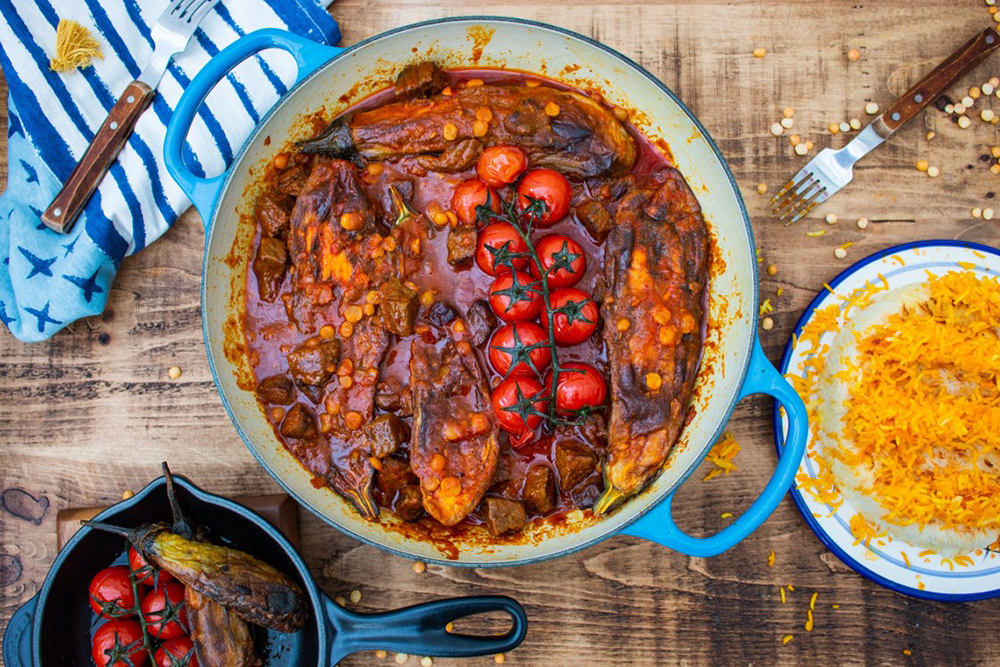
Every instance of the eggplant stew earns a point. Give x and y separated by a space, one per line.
477 299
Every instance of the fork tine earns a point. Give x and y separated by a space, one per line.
199 10
798 189
803 206
794 181
815 201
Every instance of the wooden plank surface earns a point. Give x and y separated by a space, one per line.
92 412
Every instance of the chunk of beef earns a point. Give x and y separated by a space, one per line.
457 157
391 397
595 219
408 503
299 422
272 212
503 516
480 322
461 245
394 475
292 180
539 493
420 80
314 362
385 434
607 190
441 314
398 305
276 390
269 267
574 461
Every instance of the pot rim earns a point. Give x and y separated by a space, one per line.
631 507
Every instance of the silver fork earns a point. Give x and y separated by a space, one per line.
831 170
171 34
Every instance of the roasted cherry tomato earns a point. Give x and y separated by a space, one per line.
516 296
513 400
550 187
470 194
575 316
118 643
175 652
163 609
111 593
501 165
494 246
515 344
145 574
562 259
580 386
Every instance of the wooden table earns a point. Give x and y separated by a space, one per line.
92 412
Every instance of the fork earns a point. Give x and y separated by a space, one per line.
831 170
170 34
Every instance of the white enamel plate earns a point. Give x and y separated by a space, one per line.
891 562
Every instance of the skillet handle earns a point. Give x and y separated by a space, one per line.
203 192
658 524
420 629
17 636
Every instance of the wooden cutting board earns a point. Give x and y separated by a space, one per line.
278 509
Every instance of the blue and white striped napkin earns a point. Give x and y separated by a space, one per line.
48 280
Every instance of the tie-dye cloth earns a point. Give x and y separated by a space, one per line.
48 280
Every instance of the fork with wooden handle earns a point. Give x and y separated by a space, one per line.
831 169
171 34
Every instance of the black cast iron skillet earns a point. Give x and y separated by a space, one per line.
53 628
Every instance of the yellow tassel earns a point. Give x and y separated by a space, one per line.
75 47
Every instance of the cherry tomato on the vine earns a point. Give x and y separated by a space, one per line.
163 610
145 573
516 296
550 187
580 386
501 165
575 315
516 404
118 643
470 194
514 344
495 244
111 594
562 258
174 652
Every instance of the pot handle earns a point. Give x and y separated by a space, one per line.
658 525
420 629
203 192
17 636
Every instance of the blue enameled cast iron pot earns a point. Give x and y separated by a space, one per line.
329 79
53 628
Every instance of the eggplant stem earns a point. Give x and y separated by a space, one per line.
181 525
609 498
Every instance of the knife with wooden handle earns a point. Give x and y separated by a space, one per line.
171 34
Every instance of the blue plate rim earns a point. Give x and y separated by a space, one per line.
779 436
